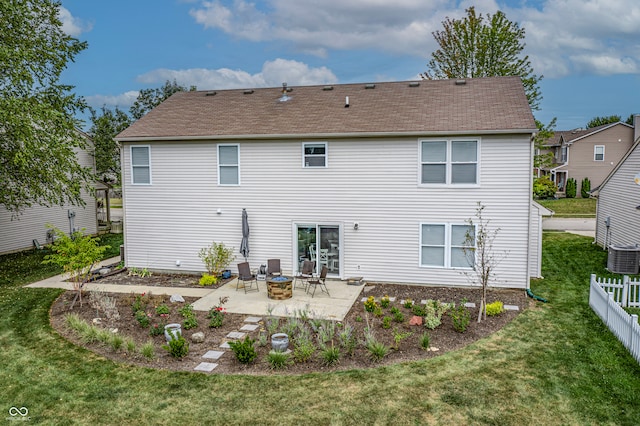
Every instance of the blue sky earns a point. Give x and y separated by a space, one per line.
587 50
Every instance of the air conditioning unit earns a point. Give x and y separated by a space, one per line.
624 259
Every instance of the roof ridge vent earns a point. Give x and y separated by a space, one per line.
248 91
461 82
414 83
370 86
211 93
327 88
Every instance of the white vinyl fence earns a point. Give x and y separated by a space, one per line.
606 296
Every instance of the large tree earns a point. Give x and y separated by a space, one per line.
150 98
599 121
475 46
38 136
104 127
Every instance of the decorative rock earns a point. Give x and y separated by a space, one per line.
432 349
415 320
97 321
104 271
176 298
197 337
114 330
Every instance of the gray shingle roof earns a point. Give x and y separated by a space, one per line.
496 104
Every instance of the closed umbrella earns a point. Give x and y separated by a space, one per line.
244 245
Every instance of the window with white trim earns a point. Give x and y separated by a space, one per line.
598 153
449 162
140 165
229 164
314 154
564 153
447 245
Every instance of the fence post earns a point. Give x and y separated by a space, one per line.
593 279
625 291
634 320
610 300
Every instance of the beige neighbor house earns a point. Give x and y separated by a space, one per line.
590 153
22 231
618 207
372 180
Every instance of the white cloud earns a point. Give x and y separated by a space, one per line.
123 101
562 36
273 73
71 25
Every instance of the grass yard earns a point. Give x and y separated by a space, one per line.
571 207
556 364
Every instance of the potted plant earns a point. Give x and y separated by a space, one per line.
279 342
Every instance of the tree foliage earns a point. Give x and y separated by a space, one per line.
38 136
543 158
150 98
599 121
476 46
104 128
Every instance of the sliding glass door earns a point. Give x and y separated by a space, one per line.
319 243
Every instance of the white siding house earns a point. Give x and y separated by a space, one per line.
17 232
618 207
378 185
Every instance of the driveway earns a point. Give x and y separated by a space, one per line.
581 226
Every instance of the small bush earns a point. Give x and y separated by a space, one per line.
399 336
190 322
130 345
386 322
156 329
139 303
495 308
408 303
432 322
377 350
378 311
143 319
178 347
544 188
425 341
162 309
116 341
148 350
385 301
398 317
330 355
585 188
370 304
208 280
186 311
216 258
570 190
303 349
418 310
244 350
278 360
461 317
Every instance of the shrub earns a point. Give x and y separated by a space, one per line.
585 188
186 311
162 309
190 322
178 347
399 336
303 349
398 317
377 350
385 301
130 344
386 322
208 280
570 190
434 309
495 308
425 341
139 303
461 317
278 360
408 303
148 350
217 313
370 304
418 310
143 319
244 350
157 329
330 355
543 188
378 311
116 341
216 258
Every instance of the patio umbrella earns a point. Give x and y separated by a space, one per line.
244 245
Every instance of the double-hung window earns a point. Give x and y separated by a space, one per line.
449 162
141 165
229 164
314 154
598 153
447 245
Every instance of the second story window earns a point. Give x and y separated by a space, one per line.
598 153
141 165
449 162
314 154
228 165
563 154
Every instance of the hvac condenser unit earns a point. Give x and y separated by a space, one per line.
624 259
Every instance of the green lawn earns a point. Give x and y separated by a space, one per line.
571 207
556 364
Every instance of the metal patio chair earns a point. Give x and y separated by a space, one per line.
245 275
319 282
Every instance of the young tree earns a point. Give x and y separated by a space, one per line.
104 128
479 249
76 254
38 136
475 47
543 158
150 98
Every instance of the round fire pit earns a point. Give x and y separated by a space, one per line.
280 288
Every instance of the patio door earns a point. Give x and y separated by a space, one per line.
320 243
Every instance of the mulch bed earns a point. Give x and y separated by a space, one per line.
444 337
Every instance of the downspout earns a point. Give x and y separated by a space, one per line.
531 154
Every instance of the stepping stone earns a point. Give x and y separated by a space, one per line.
207 367
213 354
225 345
249 327
236 335
253 319
511 307
469 305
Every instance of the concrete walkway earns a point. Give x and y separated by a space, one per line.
336 307
582 226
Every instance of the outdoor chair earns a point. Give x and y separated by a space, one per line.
307 273
273 268
245 275
319 282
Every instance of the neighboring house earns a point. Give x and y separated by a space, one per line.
590 153
618 206
373 180
19 232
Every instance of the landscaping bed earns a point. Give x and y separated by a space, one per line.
442 339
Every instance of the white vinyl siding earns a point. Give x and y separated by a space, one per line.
371 181
452 162
141 165
229 164
314 154
598 153
445 245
